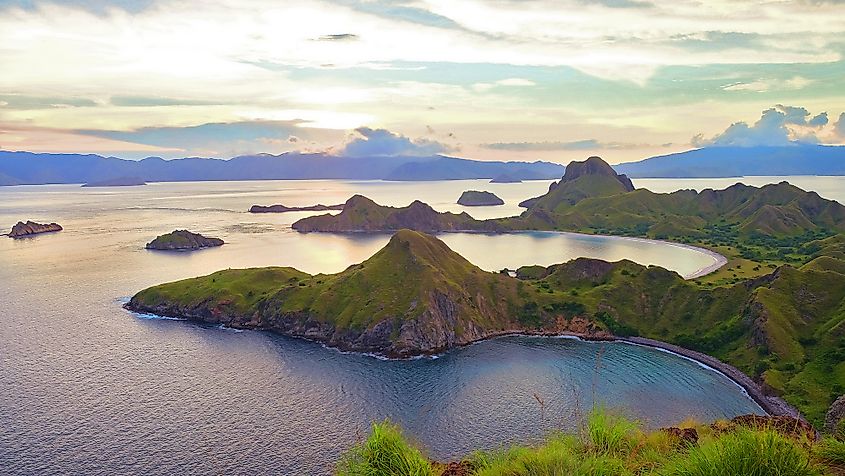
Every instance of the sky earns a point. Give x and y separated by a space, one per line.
484 79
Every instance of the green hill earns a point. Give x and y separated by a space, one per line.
784 329
362 214
414 296
590 178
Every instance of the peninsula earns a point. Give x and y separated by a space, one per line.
183 240
30 228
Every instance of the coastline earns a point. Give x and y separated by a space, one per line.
772 405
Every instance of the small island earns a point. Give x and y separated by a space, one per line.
117 182
475 198
506 178
183 240
30 228
282 208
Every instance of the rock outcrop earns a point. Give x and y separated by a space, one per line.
183 240
586 179
30 228
283 208
475 198
597 167
834 421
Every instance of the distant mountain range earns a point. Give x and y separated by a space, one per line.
27 168
33 168
798 159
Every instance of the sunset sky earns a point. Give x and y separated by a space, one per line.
485 79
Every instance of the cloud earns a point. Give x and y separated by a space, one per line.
154 101
839 127
587 144
778 126
819 120
100 7
766 85
381 142
224 139
24 102
507 82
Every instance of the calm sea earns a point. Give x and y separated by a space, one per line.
87 388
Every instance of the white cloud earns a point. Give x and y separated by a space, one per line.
516 82
766 85
777 126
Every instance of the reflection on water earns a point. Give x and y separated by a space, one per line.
88 388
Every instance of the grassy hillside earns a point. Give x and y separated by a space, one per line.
784 329
413 296
608 444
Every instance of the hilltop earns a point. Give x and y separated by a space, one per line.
591 178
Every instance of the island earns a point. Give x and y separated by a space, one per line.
182 240
117 182
30 228
283 208
505 178
475 198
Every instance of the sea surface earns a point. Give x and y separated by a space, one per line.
88 388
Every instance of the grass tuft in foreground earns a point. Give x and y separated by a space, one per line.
611 445
385 452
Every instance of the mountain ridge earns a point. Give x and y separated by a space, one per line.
27 168
714 162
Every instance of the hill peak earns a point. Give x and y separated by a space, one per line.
595 166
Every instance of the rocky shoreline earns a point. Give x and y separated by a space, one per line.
772 405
